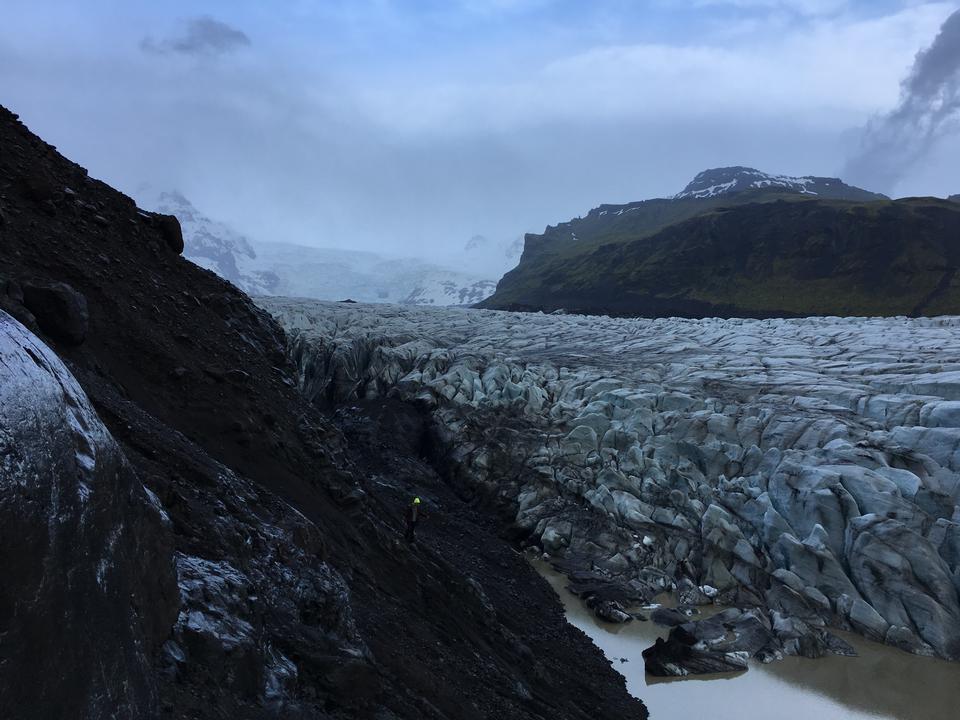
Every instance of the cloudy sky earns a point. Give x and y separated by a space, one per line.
410 125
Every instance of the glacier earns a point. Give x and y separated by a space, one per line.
808 470
462 276
78 539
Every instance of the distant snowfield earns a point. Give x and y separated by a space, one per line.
463 276
334 274
812 463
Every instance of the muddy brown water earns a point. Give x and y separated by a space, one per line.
882 683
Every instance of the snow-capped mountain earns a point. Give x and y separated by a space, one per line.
264 268
216 246
738 242
718 182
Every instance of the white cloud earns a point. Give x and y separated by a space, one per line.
824 73
799 7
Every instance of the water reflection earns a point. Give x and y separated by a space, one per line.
881 683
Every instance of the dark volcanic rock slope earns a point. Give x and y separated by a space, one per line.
733 245
250 548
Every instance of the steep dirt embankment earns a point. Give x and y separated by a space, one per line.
279 586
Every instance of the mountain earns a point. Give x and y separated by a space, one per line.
726 182
334 274
268 268
737 242
954 198
184 534
216 246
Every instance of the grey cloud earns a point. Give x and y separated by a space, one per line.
928 112
200 36
286 150
249 146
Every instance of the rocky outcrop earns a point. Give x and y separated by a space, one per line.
88 590
59 309
171 232
808 468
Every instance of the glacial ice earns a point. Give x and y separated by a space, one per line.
75 525
808 467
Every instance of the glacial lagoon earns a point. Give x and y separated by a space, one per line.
882 683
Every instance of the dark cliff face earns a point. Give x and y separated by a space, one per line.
274 583
757 254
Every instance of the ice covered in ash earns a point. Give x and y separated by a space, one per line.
79 538
806 467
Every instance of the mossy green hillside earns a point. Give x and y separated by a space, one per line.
758 254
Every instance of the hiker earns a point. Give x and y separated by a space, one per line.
412 517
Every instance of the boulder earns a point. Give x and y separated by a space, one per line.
60 311
611 611
171 232
672 617
680 655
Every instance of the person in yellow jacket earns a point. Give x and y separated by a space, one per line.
412 518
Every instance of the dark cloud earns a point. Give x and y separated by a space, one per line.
200 36
929 110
